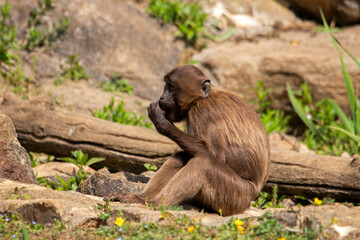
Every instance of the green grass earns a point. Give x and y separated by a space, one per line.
322 123
79 159
117 84
37 36
72 70
11 227
272 119
118 114
189 18
11 72
329 129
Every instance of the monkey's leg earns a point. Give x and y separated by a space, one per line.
156 183
211 183
164 174
226 190
185 184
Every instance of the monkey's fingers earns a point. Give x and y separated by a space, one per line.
151 108
115 197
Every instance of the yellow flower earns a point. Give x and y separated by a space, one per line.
119 221
284 238
190 229
294 43
317 201
240 229
238 222
335 221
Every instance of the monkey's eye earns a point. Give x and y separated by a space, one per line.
171 88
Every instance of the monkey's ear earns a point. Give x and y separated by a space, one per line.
205 87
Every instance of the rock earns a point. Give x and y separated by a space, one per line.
294 57
248 14
14 160
44 205
108 37
76 209
103 182
282 142
64 170
341 219
116 37
148 174
342 12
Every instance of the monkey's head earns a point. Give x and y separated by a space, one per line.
184 86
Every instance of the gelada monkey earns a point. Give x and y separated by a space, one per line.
225 157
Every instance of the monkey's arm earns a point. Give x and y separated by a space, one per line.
185 141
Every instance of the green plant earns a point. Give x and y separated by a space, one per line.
24 231
32 160
61 184
150 167
188 17
319 118
262 100
120 115
266 200
341 133
7 35
322 29
81 161
37 36
275 120
267 227
72 70
15 77
16 194
117 83
351 125
163 208
272 119
10 64
316 201
35 161
103 210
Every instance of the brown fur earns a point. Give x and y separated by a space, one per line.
226 155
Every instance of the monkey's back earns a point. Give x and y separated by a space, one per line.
233 134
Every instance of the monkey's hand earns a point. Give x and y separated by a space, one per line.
124 198
157 116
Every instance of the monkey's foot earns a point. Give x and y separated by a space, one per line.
124 198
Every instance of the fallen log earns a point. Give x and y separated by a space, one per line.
42 127
313 175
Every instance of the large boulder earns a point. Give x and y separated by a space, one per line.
14 160
108 37
293 57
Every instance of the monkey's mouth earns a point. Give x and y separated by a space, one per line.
164 106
